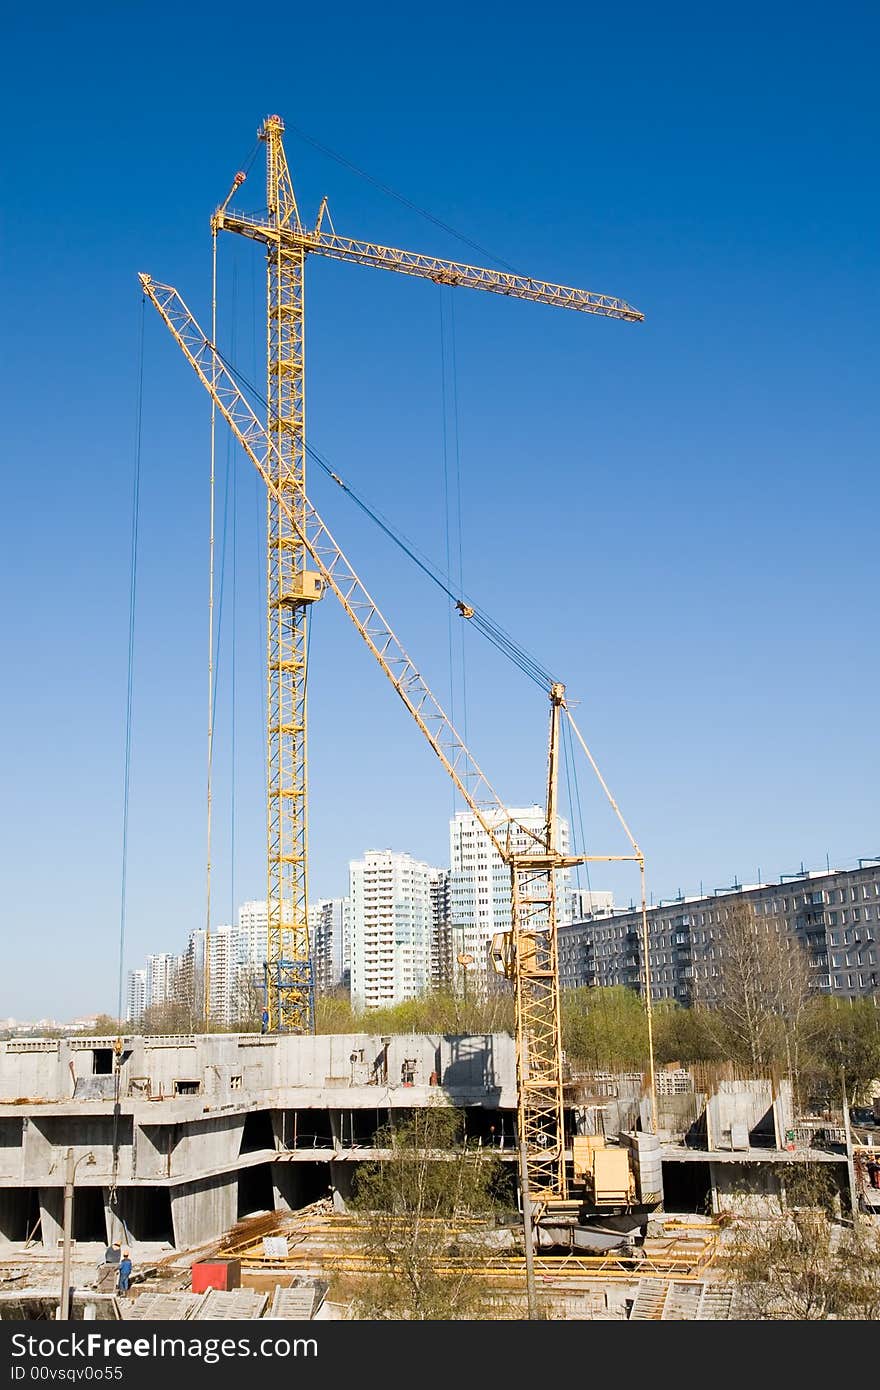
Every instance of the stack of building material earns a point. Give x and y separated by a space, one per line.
163 1307
649 1300
720 1302
219 1304
298 1302
682 1301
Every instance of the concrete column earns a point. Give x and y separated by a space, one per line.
52 1216
286 1186
204 1211
342 1182
111 1220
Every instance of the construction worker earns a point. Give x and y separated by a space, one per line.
124 1271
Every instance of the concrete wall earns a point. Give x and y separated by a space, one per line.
224 1065
741 1106
48 1137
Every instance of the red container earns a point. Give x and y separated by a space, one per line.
216 1274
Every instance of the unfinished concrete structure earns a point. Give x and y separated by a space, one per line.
196 1132
193 1133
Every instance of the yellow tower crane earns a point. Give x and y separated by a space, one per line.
291 586
529 952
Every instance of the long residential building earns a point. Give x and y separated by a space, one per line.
834 913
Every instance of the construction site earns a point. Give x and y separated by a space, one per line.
228 1163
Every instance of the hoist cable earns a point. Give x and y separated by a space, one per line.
406 202
126 779
446 522
129 688
492 631
458 509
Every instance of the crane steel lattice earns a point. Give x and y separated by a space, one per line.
291 588
532 950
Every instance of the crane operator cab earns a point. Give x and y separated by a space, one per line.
503 955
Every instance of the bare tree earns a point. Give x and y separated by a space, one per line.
183 1009
248 1002
754 977
409 1205
801 1265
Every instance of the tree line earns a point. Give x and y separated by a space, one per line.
753 1003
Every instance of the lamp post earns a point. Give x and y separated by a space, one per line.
69 1179
463 957
465 960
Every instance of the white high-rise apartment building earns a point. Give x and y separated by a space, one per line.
136 999
391 927
161 978
223 975
330 943
253 935
441 937
479 883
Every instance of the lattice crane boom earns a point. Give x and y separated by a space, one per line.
436 268
338 574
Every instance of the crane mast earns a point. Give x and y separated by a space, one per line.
533 965
289 982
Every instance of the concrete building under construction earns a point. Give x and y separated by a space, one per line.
192 1133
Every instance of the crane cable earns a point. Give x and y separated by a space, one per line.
129 693
206 983
129 685
579 843
406 202
444 431
228 517
458 508
491 630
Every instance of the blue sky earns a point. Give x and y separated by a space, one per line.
678 517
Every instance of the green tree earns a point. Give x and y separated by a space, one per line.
604 1028
439 1011
842 1040
409 1204
105 1027
686 1035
